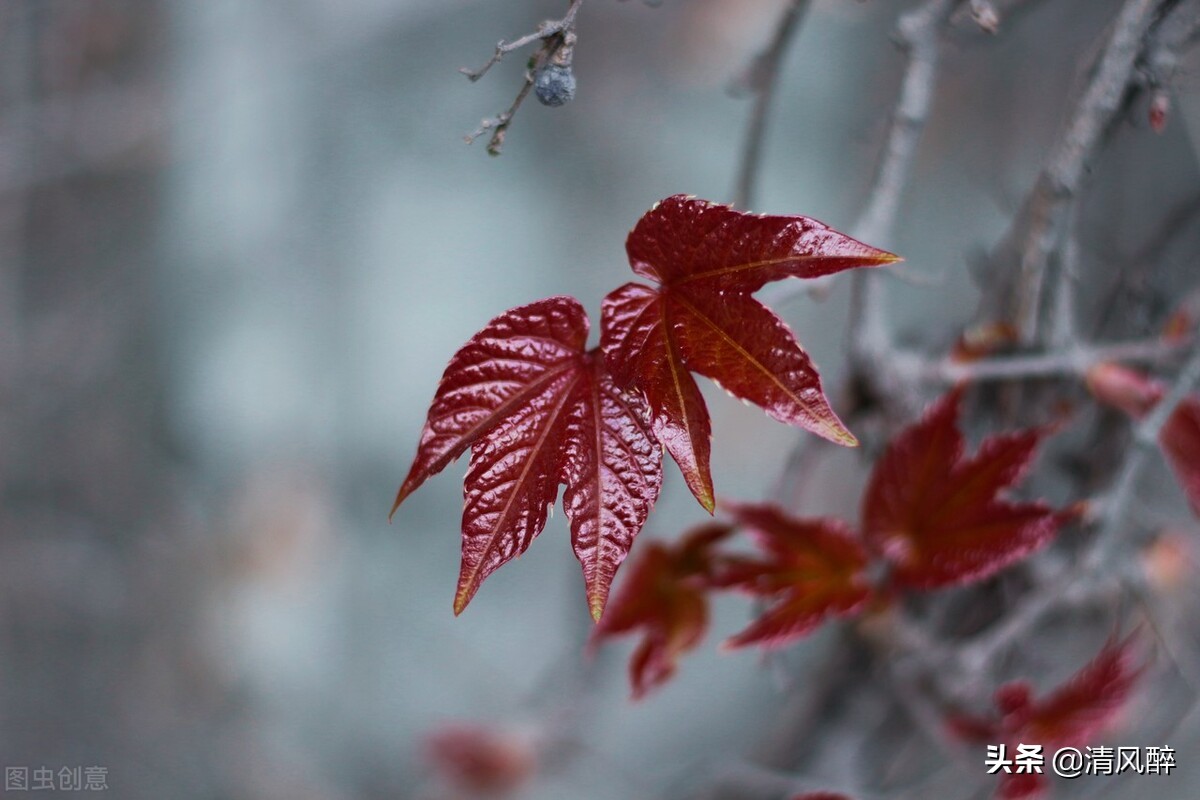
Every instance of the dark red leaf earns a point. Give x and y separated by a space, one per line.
536 411
664 596
937 515
707 260
1180 440
1072 715
812 569
685 240
1080 709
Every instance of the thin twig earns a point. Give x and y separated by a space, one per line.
762 76
1072 362
498 124
917 33
545 31
1145 442
558 42
1064 327
1041 228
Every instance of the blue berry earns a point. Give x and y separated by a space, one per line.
554 85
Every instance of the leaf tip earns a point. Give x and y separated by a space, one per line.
731 644
462 597
402 494
837 433
596 606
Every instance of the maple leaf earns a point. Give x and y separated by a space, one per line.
1072 715
707 260
813 569
936 515
538 410
664 595
1136 394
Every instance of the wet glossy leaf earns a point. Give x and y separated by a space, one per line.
810 570
536 411
938 516
706 260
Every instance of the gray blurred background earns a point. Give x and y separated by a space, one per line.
239 242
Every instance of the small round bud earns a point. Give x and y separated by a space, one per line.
554 85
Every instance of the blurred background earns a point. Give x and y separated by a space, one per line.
239 242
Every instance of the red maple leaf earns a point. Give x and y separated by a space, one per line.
707 260
538 410
812 569
664 595
1072 715
937 516
1136 394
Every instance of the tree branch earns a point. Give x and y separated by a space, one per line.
1048 208
546 31
1084 579
1073 362
917 33
762 77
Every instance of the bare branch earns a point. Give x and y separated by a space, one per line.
917 33
762 76
546 31
1041 228
498 125
1072 362
1083 579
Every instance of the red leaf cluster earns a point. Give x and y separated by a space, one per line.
931 517
1137 394
1072 715
538 409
